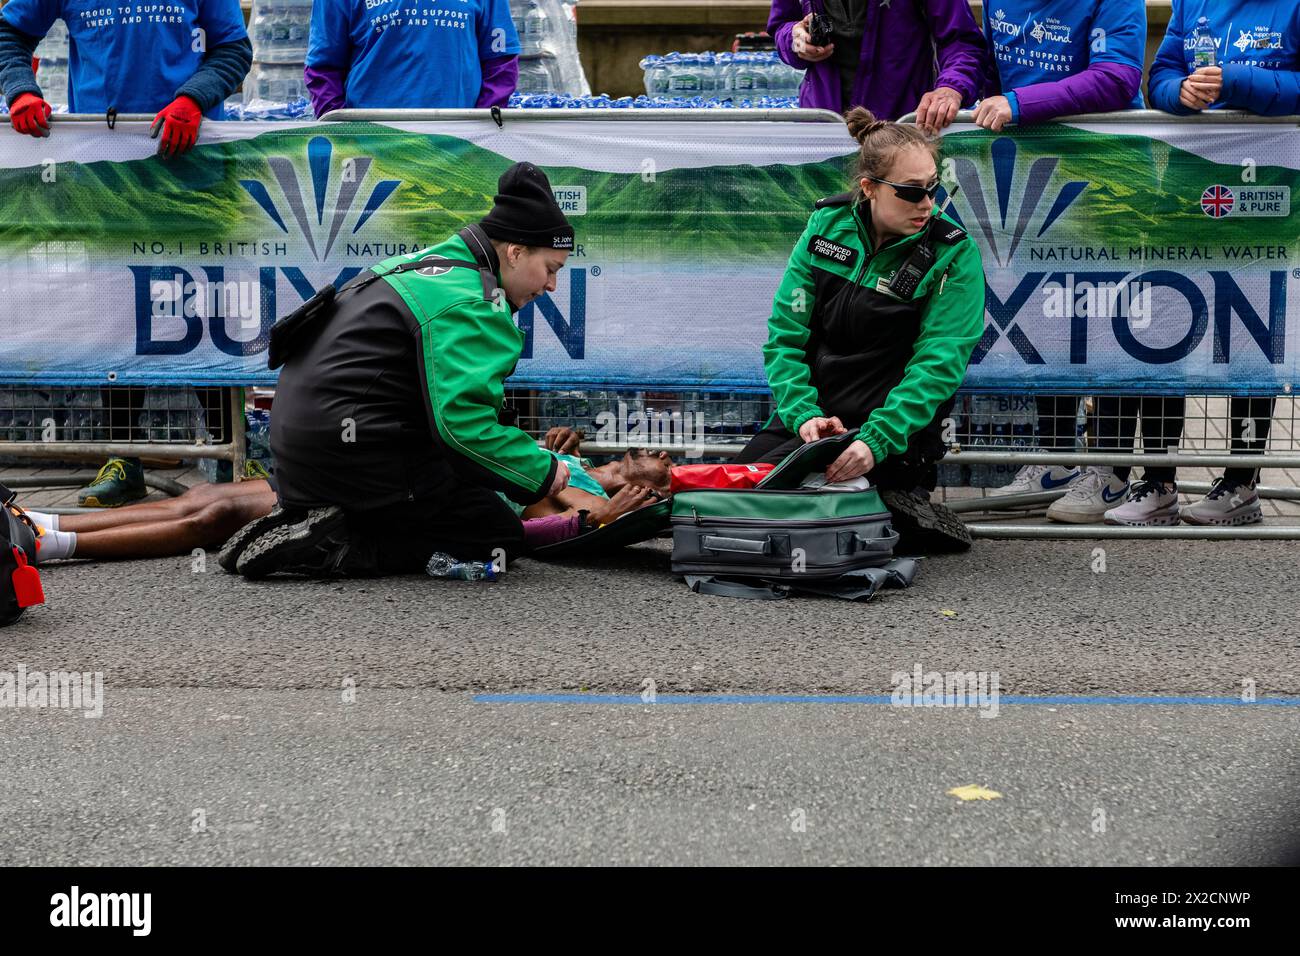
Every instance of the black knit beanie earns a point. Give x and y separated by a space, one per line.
525 211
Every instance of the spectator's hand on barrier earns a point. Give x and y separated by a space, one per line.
565 441
561 480
994 112
30 115
856 460
1210 81
1192 95
179 123
938 108
803 48
815 429
629 498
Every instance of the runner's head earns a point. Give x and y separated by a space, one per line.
645 466
529 232
895 153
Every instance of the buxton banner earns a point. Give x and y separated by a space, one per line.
1135 256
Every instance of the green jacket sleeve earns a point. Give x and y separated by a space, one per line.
951 326
468 350
784 356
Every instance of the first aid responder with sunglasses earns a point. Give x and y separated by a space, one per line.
871 329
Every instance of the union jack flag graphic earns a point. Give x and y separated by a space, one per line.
1216 202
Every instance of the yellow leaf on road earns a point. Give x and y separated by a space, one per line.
947 613
974 792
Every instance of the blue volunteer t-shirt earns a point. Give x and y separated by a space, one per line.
399 55
1038 41
131 55
1255 33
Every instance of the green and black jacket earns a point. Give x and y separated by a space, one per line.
840 343
398 394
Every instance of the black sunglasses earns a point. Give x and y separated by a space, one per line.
910 193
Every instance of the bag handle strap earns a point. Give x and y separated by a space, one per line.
701 584
713 542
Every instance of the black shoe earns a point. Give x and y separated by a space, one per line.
924 526
228 558
316 546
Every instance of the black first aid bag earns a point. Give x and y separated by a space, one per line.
776 538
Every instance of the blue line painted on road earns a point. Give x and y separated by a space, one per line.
1058 700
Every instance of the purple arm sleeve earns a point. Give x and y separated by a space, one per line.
500 77
780 26
549 530
991 84
1100 88
325 86
959 48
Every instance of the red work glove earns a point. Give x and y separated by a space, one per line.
179 123
30 115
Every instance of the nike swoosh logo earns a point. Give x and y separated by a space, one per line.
1107 497
1050 482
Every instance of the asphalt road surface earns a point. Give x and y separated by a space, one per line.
307 722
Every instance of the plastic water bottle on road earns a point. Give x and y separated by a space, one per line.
445 566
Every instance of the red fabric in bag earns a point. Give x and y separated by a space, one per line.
690 477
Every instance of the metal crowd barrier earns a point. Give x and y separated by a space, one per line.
615 115
1207 117
38 429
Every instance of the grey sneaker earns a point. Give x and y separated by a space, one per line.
1150 504
1228 503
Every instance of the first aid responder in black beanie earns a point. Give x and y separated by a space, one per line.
385 427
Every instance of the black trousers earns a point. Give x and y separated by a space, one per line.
1162 427
474 526
775 442
1056 421
464 520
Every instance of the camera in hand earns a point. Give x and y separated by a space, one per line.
819 29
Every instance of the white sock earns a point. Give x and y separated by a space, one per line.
50 522
56 545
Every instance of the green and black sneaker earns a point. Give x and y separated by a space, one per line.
119 482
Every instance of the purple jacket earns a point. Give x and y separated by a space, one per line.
900 51
500 77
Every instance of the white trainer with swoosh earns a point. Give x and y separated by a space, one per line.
1089 497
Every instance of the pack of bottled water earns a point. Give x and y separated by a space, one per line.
24 413
52 72
548 39
279 30
172 415
988 423
541 101
720 75
275 87
87 419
